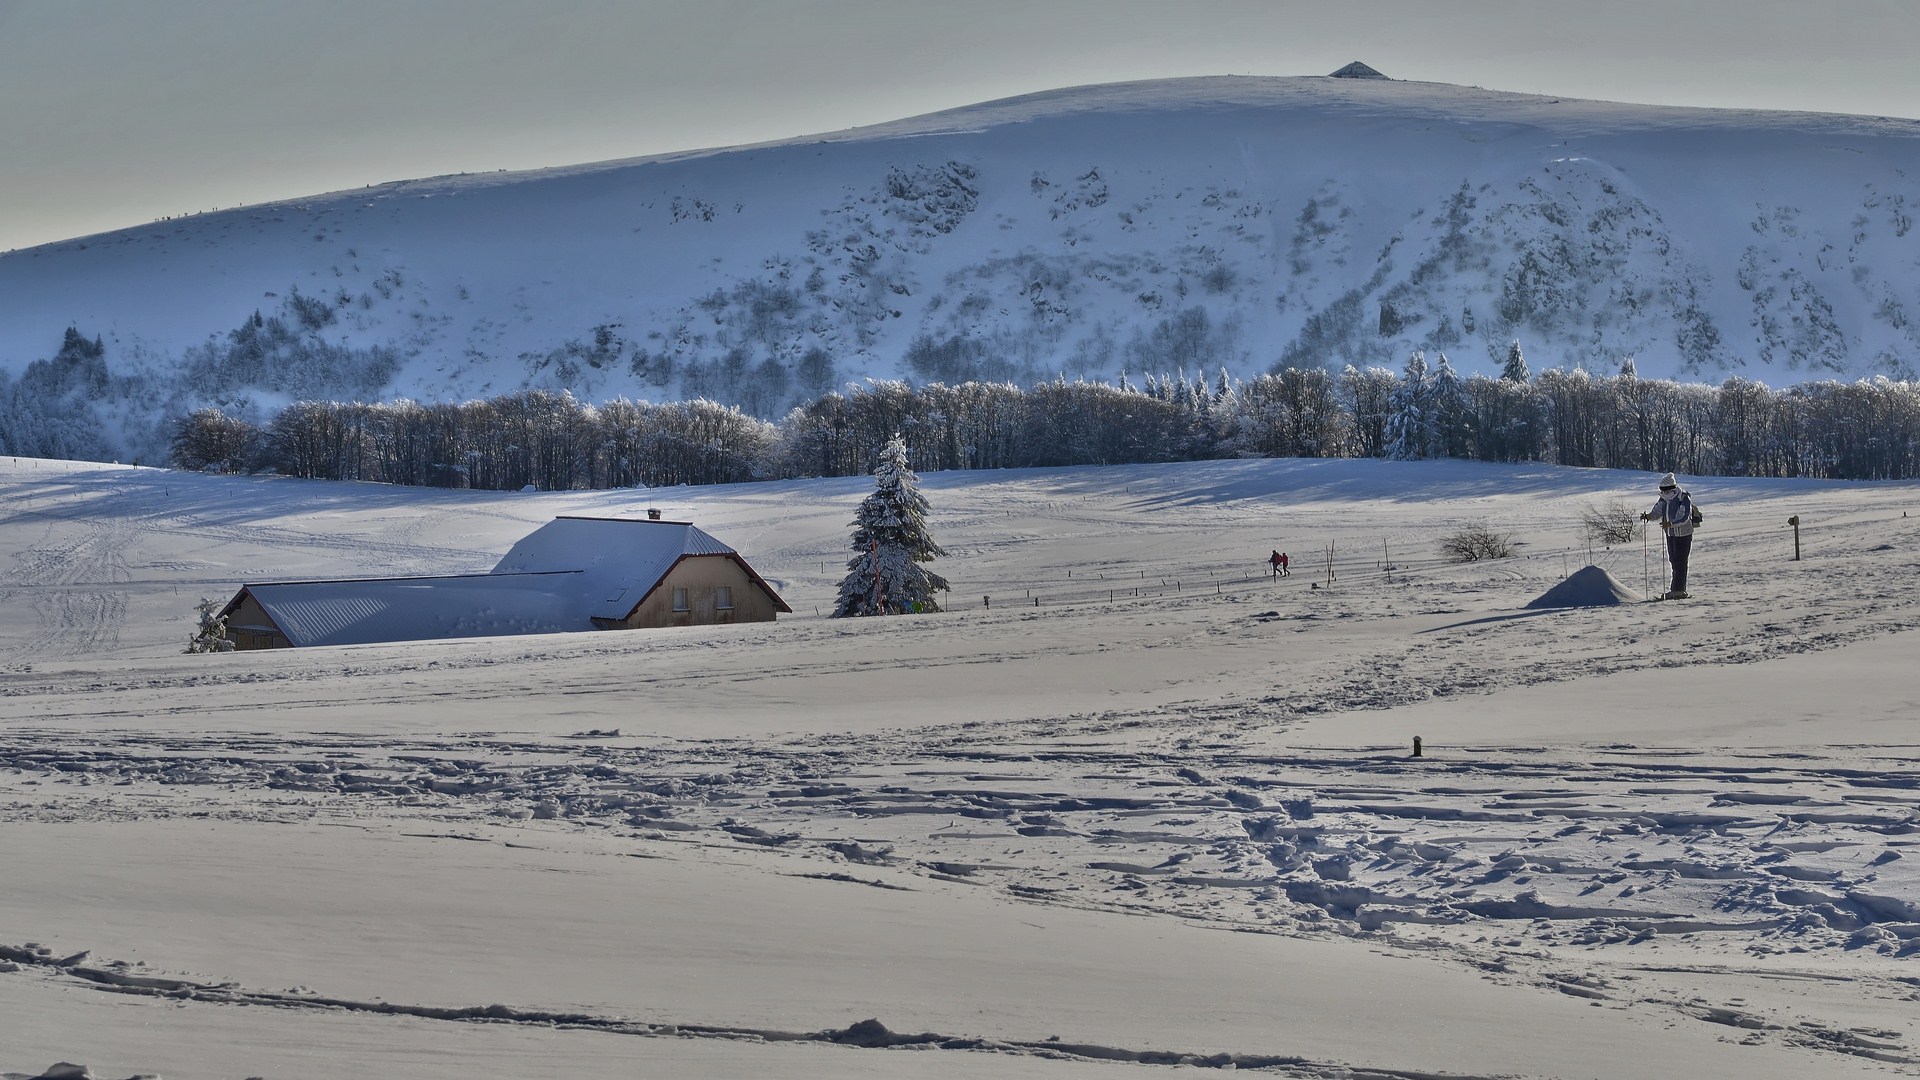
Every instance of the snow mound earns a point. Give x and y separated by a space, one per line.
1589 586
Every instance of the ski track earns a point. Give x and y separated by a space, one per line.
121 977
76 581
1524 862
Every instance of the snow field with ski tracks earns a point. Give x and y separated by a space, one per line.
1151 807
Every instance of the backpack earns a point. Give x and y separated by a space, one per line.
1693 513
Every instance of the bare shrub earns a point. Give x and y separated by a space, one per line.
1476 542
1614 523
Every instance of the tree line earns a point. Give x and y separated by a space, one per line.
1864 430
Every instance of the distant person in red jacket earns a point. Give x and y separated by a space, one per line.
1283 565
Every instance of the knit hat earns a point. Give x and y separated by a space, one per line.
1667 482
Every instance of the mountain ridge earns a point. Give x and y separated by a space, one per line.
1219 222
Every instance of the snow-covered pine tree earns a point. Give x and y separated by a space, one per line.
211 634
1409 417
1516 369
890 541
1448 410
1226 410
1183 397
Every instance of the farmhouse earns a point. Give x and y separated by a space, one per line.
574 573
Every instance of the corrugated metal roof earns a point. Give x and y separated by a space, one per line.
583 543
415 609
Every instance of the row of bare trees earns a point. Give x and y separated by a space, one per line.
534 437
1858 430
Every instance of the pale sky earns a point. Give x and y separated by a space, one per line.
118 112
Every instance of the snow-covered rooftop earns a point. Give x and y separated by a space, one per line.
619 559
422 609
557 579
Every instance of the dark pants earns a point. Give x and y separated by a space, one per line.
1678 547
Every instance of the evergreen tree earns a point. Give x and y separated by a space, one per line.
1516 369
1409 415
890 541
1452 420
1183 397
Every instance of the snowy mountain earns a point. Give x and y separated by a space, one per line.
1237 223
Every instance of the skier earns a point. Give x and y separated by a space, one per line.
1276 561
1676 514
1284 572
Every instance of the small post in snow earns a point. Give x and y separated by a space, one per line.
1795 522
1416 746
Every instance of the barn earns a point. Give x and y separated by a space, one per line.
572 574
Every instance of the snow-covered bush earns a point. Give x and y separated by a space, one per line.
211 635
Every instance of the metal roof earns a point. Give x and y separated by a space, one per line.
415 609
558 578
621 559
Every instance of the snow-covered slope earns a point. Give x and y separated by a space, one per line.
1129 806
1230 222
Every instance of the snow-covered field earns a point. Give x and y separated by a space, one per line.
1151 808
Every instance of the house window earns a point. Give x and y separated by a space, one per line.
723 597
680 600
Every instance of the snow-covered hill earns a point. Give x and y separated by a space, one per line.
1196 223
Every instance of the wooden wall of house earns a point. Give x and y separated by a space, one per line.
702 576
250 628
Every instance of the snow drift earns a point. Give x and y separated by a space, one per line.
1589 586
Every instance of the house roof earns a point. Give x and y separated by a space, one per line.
558 578
621 559
413 609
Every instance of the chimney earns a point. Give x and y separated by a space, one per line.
653 513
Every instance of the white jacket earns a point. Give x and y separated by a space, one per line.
1674 512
